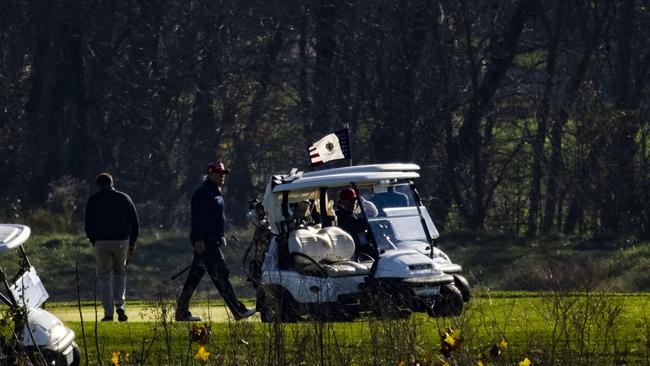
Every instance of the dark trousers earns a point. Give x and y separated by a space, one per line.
211 261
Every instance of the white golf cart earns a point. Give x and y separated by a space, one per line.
41 335
315 270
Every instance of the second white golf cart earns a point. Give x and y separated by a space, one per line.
36 332
314 269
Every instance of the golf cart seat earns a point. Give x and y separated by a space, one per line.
325 252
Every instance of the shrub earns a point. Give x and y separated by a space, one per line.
67 198
42 220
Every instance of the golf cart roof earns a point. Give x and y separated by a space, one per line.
354 174
374 168
12 235
301 185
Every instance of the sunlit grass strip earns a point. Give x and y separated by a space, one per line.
506 326
562 328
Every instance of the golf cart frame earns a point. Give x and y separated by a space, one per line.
315 272
41 335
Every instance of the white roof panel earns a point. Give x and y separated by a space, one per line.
341 179
12 235
373 168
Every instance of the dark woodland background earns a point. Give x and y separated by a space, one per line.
529 117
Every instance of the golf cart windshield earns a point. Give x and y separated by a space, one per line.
25 287
394 217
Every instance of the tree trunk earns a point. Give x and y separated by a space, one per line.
560 121
241 175
324 74
542 120
35 109
303 78
619 207
73 54
469 143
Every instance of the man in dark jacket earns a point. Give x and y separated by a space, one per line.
207 236
347 219
112 227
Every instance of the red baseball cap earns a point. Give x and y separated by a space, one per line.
217 167
348 194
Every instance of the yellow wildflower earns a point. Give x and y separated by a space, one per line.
503 345
525 362
451 341
479 362
115 358
202 354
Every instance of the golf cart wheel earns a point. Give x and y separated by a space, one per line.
450 302
76 355
267 305
278 305
49 357
388 302
461 283
330 312
292 311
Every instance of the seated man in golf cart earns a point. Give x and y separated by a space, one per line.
305 215
356 225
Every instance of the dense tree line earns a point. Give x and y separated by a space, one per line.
526 116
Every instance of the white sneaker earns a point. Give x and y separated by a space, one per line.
247 314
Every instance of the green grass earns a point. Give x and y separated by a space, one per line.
501 262
548 328
556 300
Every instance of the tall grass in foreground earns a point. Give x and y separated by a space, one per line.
557 328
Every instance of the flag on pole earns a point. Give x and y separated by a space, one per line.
335 146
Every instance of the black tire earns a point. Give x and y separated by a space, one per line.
49 358
278 305
291 312
450 302
267 305
329 312
55 358
389 301
76 355
461 283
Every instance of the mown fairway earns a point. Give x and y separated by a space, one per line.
547 328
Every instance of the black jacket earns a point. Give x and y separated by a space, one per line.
111 215
350 222
208 214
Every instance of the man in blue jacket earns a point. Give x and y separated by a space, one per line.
112 226
207 236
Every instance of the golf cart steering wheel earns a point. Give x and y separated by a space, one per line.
366 255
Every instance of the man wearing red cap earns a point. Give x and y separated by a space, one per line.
207 236
348 220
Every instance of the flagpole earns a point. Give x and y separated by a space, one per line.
347 127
